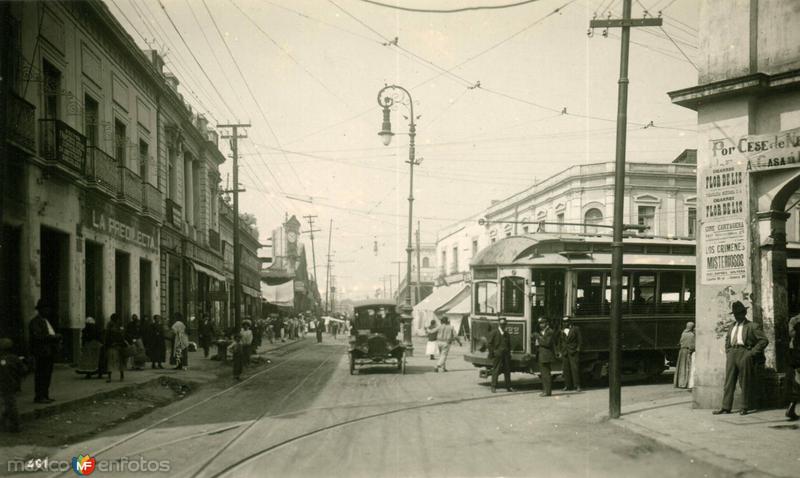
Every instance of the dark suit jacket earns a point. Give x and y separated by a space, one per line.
547 344
753 337
499 343
572 342
42 343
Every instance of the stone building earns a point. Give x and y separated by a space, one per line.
661 196
250 264
747 100
97 149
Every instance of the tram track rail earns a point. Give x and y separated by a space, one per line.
205 400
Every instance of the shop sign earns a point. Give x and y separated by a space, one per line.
763 152
118 224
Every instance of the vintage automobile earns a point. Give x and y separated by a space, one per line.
373 336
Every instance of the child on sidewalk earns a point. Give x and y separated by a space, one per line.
11 372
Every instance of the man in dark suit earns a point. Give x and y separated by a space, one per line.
545 340
499 344
571 343
44 345
744 348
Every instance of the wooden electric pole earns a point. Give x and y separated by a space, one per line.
328 273
311 232
237 278
615 323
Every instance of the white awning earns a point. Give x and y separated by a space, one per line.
427 310
209 272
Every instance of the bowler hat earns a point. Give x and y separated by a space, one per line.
738 308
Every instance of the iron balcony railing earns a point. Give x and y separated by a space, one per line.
174 214
102 170
213 239
21 122
131 186
152 200
62 145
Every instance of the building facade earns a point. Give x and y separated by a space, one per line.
660 196
748 107
250 295
99 151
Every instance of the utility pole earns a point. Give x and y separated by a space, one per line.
311 232
418 298
328 273
237 279
614 362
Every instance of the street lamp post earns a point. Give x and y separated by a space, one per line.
386 101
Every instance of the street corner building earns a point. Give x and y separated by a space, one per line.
110 182
748 109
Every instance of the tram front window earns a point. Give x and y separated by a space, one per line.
485 298
513 295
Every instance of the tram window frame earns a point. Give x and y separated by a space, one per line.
648 306
587 308
626 289
689 293
512 290
664 283
484 286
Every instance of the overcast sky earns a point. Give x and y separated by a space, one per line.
312 70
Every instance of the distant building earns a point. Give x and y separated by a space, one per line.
286 282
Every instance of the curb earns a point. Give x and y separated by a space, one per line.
732 466
44 412
61 407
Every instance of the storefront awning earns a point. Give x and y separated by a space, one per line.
209 272
281 295
463 307
437 303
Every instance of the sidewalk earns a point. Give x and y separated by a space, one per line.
70 389
761 444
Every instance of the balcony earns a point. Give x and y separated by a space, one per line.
174 214
213 239
152 201
62 146
131 190
21 122
102 171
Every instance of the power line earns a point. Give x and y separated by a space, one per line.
202 70
454 10
287 53
679 49
250 91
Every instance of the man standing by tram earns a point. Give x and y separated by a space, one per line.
499 345
545 339
571 343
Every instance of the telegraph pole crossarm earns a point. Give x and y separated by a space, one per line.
237 281
615 321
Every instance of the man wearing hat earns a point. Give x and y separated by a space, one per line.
744 347
499 344
44 344
545 340
571 343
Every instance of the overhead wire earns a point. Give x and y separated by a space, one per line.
679 49
452 10
250 91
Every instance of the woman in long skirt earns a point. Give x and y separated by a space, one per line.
683 369
181 345
794 363
431 347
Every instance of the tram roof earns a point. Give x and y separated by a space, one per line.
576 249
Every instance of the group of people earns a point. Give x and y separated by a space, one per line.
549 346
130 346
440 338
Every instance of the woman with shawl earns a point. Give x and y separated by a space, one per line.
181 346
685 367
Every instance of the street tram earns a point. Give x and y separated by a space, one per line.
523 278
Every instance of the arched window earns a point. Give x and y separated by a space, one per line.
426 262
592 216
